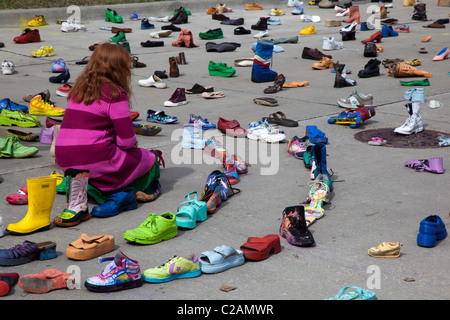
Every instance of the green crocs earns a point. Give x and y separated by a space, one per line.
220 69
154 229
18 118
174 268
119 37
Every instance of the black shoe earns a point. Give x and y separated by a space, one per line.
161 74
233 22
180 18
62 77
171 27
149 43
370 50
241 30
371 69
261 24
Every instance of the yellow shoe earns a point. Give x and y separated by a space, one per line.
414 63
386 250
50 52
324 63
39 107
39 53
308 30
37 21
276 12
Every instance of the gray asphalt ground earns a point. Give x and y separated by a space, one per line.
375 199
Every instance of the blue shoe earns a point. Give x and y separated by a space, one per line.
387 31
145 24
116 203
134 15
319 152
431 228
315 135
11 106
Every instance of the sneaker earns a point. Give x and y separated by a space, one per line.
265 132
294 3
145 24
262 34
329 43
46 51
58 66
72 27
37 21
39 107
297 10
28 36
8 67
18 118
134 16
355 100
64 90
308 30
154 229
12 106
12 148
199 120
276 12
178 98
220 69
174 268
120 274
297 147
386 250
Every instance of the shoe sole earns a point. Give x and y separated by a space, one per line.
114 287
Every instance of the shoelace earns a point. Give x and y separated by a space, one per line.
23 250
167 262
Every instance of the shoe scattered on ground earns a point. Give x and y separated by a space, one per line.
174 268
112 16
160 117
211 34
330 43
356 293
221 258
120 274
152 81
37 21
46 281
145 24
294 227
12 106
154 229
355 100
73 26
18 118
86 247
146 130
7 281
27 252
431 229
161 34
308 30
231 127
386 250
44 51
8 67
23 136
177 99
28 36
220 69
119 37
324 63
11 147
39 107
64 90
265 132
124 200
58 66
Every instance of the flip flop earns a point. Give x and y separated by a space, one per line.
377 141
20 197
280 119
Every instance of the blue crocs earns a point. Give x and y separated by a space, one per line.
431 228
315 135
220 259
11 106
116 203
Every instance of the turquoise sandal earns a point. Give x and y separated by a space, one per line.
356 294
187 216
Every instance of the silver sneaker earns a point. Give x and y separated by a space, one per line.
356 99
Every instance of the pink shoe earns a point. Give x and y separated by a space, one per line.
441 55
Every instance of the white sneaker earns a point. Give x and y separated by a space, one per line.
331 44
159 19
153 81
356 99
294 3
262 34
72 27
265 132
309 18
8 67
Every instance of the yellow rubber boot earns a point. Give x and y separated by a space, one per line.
41 195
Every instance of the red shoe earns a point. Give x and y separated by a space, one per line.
376 37
64 90
28 36
46 280
231 127
134 115
50 122
259 248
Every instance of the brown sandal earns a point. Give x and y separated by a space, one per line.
280 119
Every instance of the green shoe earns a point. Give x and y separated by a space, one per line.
125 45
174 268
112 16
220 69
119 37
424 82
211 34
12 148
154 229
18 118
181 9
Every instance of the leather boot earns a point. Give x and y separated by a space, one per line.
294 227
77 208
420 12
173 71
354 15
261 24
181 58
341 79
371 69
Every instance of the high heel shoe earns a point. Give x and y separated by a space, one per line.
441 55
376 37
63 77
112 16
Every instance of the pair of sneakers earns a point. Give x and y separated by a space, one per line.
265 132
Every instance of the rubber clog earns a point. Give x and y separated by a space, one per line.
257 248
86 247
220 259
20 197
187 216
431 229
356 294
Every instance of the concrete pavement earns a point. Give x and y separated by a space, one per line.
375 197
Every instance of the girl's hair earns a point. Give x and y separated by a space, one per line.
109 64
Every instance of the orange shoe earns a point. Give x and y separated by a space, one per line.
40 107
253 6
324 63
46 281
426 39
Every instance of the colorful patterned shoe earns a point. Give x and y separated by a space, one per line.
58 66
39 107
146 130
174 268
120 274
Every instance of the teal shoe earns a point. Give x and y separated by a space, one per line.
119 37
356 294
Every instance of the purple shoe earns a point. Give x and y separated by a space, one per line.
434 165
58 66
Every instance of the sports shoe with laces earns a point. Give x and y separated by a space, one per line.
18 118
120 274
386 250
12 106
37 21
174 268
154 229
46 51
308 30
8 67
39 107
12 148
356 99
28 36
330 43
265 132
58 66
